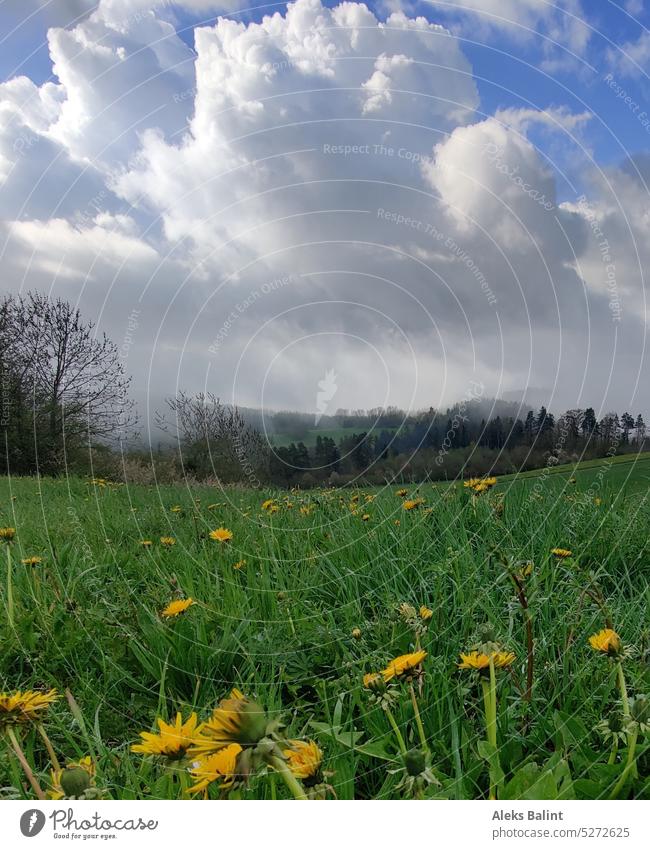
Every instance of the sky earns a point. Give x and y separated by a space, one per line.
338 205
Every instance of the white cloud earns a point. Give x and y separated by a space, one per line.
317 191
562 22
631 59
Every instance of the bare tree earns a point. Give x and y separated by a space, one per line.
215 438
74 379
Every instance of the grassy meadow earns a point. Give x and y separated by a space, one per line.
308 593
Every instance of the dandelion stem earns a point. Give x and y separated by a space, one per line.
490 705
630 764
613 753
492 730
10 593
631 735
48 745
395 727
280 766
418 719
622 688
15 745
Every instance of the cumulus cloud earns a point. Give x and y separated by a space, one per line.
313 191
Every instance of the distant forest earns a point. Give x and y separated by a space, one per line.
65 408
461 441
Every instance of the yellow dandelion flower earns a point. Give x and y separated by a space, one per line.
607 641
402 493
365 517
404 665
172 740
25 706
266 505
306 510
7 534
146 543
175 608
235 719
220 766
425 613
413 503
239 565
176 509
304 759
31 561
561 552
221 535
168 541
481 660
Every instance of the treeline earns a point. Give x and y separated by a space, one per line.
459 442
64 402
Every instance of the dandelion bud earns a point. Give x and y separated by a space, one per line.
253 723
487 633
407 611
374 681
415 762
75 781
356 633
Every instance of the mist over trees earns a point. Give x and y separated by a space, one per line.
65 401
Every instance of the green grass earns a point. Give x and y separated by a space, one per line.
626 473
88 619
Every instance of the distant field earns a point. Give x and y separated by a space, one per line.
305 595
623 474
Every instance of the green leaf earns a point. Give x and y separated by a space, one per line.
550 781
530 782
490 754
585 788
351 740
571 731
